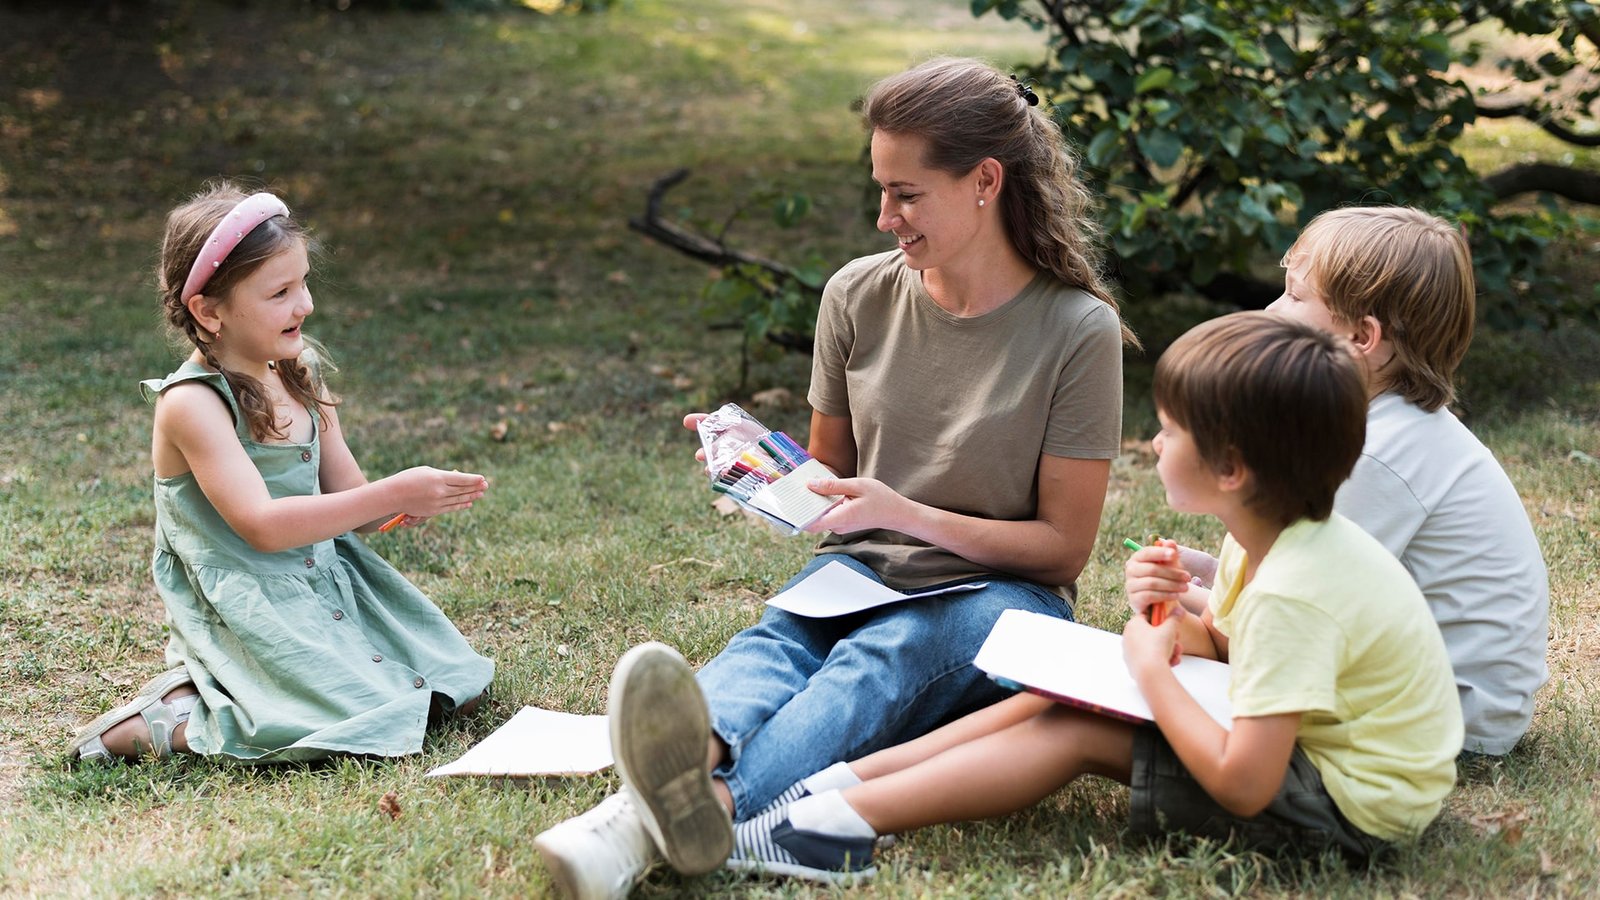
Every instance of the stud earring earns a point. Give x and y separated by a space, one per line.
980 202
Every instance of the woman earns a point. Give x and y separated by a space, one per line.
966 387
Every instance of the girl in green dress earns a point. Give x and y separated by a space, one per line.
290 639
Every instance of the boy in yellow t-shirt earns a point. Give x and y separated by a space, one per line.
1346 719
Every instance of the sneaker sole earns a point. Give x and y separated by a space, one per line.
151 693
806 873
661 756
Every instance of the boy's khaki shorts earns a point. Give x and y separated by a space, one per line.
1301 817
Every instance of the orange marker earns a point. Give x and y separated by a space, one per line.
392 523
1157 612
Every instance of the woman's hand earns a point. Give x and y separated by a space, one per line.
1154 576
868 503
692 422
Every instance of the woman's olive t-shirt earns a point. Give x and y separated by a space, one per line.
955 411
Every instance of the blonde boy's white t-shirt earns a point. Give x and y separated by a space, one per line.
1333 628
1433 494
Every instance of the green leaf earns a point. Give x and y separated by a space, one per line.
1255 209
1249 53
1101 148
1435 48
1283 55
1382 76
1161 147
789 210
814 276
1164 113
1232 140
1129 12
1153 80
1133 219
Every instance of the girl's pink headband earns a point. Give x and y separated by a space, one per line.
243 219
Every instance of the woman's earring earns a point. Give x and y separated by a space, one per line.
980 202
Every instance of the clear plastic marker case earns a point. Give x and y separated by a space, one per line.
763 470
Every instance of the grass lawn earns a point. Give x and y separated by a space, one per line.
471 177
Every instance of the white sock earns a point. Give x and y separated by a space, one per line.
829 813
836 777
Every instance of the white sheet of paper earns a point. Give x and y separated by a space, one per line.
537 742
1083 666
837 590
791 500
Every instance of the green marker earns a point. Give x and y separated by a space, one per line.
1132 544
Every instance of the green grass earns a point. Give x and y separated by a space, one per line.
471 176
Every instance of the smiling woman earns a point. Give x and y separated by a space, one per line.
966 388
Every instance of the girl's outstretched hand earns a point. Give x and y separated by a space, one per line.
868 503
1154 575
426 491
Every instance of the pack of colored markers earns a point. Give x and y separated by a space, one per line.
763 471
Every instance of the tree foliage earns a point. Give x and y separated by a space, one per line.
1217 129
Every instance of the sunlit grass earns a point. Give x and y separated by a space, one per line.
471 176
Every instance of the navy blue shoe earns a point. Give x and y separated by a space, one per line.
785 850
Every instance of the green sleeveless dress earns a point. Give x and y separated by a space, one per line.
302 653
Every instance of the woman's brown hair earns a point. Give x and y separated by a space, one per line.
967 111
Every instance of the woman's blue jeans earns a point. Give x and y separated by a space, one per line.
792 695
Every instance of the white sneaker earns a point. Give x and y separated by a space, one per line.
660 735
600 854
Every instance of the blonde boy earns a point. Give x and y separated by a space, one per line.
1399 284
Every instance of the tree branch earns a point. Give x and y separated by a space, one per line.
1055 11
715 252
1576 185
1536 116
1190 184
690 243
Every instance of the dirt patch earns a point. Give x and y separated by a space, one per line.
12 770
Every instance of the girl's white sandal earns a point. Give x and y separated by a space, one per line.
162 718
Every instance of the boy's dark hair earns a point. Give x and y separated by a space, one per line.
1412 272
1283 399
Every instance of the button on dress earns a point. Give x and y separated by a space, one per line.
302 653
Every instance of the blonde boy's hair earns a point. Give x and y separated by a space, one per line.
1412 272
